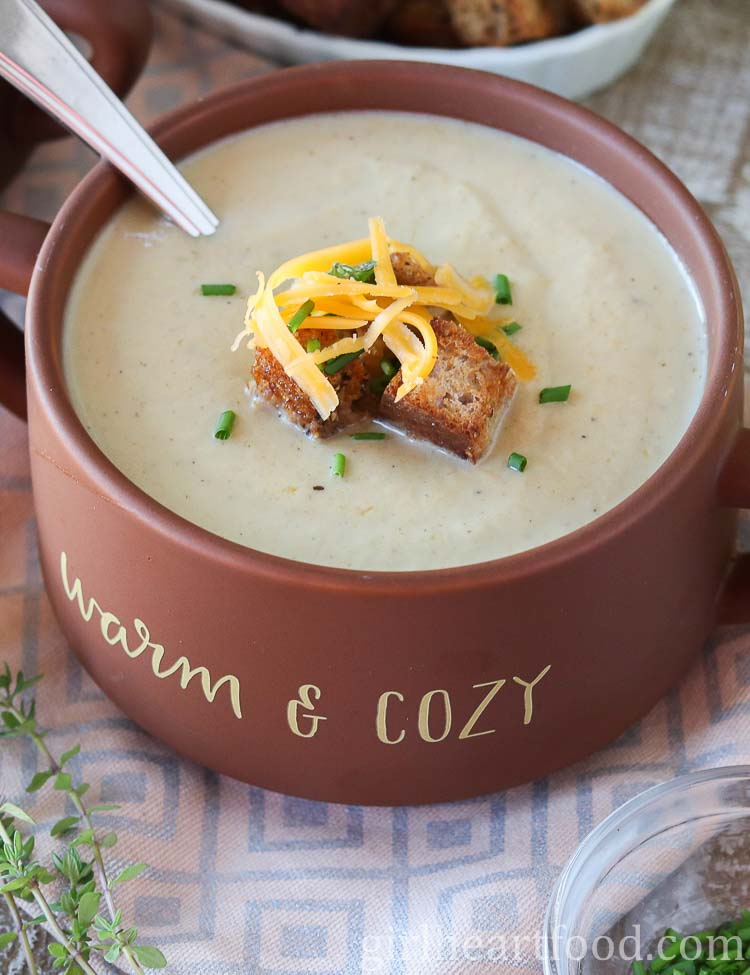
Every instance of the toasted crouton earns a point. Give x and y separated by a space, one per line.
422 23
502 22
601 11
461 404
279 390
410 272
353 18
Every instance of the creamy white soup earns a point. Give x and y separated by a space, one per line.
604 303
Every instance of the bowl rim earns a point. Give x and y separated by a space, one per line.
613 823
44 363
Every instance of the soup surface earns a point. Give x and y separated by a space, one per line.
604 303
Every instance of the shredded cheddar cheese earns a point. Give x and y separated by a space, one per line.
285 347
384 273
385 318
341 347
352 344
509 351
479 299
339 287
439 297
353 252
330 306
398 314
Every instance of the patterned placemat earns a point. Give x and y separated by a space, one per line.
244 881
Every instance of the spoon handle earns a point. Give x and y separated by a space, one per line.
38 59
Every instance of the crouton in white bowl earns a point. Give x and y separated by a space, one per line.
573 65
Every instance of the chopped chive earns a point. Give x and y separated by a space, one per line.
217 289
312 345
301 314
377 385
511 328
501 285
660 963
695 954
338 467
489 346
389 368
358 272
225 424
555 394
670 951
369 436
336 365
517 462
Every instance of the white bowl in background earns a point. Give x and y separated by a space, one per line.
573 65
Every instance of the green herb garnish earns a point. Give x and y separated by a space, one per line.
225 424
723 950
501 284
338 467
303 312
377 385
217 289
517 462
369 436
364 272
73 894
555 394
389 368
489 346
336 365
312 345
511 328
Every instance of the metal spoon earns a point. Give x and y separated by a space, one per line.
38 59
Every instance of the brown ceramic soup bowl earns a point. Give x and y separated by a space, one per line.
278 672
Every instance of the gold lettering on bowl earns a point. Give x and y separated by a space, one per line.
381 718
468 729
308 694
423 719
425 710
528 693
115 633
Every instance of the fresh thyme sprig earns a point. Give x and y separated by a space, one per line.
74 919
27 877
11 858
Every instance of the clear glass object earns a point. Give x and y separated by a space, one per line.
678 855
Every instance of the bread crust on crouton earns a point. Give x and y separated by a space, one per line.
410 272
422 23
352 18
602 11
280 391
461 404
502 22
